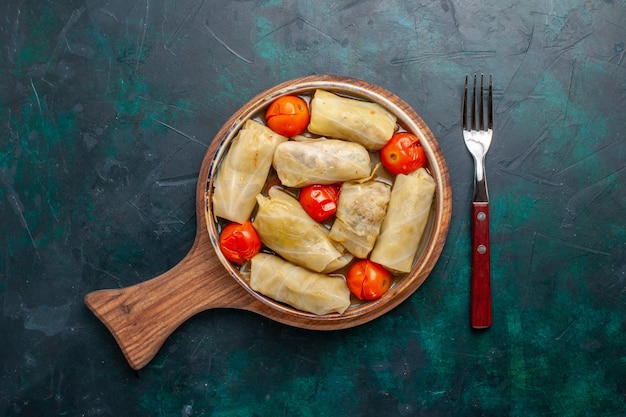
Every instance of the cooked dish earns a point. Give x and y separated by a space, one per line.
377 216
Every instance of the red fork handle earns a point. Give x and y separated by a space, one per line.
480 284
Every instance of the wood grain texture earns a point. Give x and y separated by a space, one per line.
142 316
481 269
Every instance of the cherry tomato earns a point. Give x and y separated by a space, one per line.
368 280
319 201
240 242
288 116
403 154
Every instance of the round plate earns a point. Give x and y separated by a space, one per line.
436 229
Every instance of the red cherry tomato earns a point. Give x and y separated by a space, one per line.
240 242
288 116
368 280
403 154
319 201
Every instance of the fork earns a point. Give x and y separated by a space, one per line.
477 141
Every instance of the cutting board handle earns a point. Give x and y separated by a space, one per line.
141 317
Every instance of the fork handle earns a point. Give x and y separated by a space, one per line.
480 282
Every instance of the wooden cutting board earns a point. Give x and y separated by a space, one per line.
142 316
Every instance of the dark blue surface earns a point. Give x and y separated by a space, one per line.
107 108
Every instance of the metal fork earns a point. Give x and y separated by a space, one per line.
477 141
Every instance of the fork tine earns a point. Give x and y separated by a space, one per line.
464 106
490 105
481 117
474 105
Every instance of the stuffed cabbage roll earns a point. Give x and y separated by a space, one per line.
285 228
320 161
360 214
243 171
407 215
300 288
358 121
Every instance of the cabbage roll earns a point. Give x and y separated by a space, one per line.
358 121
320 161
297 286
285 228
360 214
407 215
243 171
